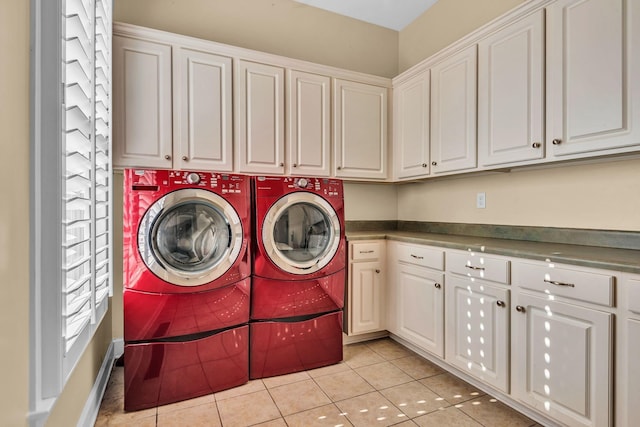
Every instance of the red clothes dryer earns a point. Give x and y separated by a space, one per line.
298 282
187 273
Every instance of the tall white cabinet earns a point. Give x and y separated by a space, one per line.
453 112
511 93
360 130
260 118
593 60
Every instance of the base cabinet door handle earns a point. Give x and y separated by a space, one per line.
520 309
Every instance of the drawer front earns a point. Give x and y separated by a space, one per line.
479 265
633 296
423 256
361 251
567 282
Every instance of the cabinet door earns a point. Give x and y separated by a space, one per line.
360 126
142 115
203 137
309 124
260 118
453 112
633 370
420 317
593 98
365 303
411 127
511 93
477 325
562 360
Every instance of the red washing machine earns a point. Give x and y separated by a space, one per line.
187 273
298 283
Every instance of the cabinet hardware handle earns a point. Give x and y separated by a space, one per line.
416 256
434 163
295 165
520 309
281 164
536 145
473 267
500 303
556 141
167 157
185 158
377 271
366 252
424 165
553 282
339 168
438 285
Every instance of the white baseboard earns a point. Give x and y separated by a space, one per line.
92 405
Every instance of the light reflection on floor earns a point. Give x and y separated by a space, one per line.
410 391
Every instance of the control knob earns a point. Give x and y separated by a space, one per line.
193 178
303 182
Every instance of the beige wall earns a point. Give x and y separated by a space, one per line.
282 27
444 23
14 211
594 196
370 201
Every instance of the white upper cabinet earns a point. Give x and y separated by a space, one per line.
172 107
593 63
203 122
309 124
511 93
453 112
142 114
260 118
411 127
360 128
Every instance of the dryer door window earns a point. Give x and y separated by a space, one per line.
301 233
190 237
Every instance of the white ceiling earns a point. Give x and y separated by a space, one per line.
393 14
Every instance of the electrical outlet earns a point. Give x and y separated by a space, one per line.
481 200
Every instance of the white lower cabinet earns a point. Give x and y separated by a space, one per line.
561 346
365 287
477 325
630 376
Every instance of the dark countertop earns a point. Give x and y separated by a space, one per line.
624 260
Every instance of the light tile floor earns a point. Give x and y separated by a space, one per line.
379 383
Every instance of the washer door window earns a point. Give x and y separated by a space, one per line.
190 237
301 233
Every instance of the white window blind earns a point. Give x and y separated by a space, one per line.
71 188
86 75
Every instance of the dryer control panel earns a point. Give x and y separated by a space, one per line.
272 186
154 180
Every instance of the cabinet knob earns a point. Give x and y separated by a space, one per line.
536 145
167 157
185 158
500 303
434 163
556 141
437 285
295 165
339 168
520 309
377 271
424 165
281 164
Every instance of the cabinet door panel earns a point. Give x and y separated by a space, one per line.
592 97
260 116
142 103
562 360
366 293
421 311
511 93
309 124
478 330
203 114
453 112
633 369
360 126
411 127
